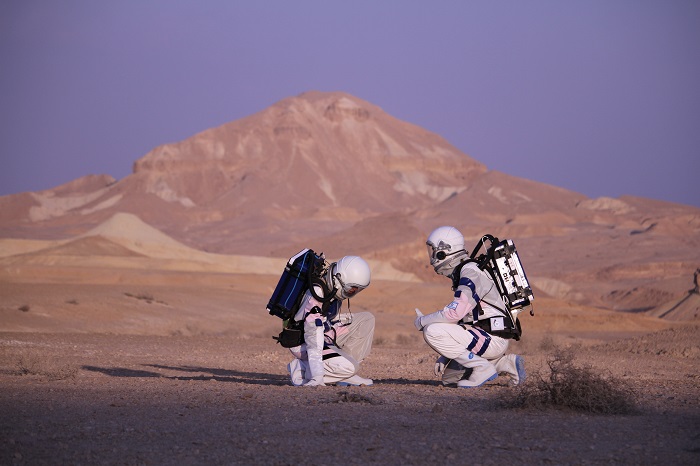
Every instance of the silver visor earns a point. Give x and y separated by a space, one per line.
437 253
350 289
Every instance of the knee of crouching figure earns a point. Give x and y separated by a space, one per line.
433 332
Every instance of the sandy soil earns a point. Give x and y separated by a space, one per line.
136 373
133 331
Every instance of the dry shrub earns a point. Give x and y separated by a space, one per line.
400 340
28 364
577 388
142 296
148 297
379 341
348 397
405 339
547 344
51 368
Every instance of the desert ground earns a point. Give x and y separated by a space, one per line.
133 327
137 366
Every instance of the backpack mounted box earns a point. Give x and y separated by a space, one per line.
512 281
502 263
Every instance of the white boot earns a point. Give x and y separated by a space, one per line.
514 366
355 380
482 370
296 372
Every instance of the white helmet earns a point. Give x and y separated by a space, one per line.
446 249
349 275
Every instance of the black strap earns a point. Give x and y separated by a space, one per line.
508 333
492 239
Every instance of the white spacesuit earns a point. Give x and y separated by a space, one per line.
469 355
334 345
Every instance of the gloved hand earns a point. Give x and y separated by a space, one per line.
422 320
440 365
417 322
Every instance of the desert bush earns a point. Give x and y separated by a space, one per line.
404 339
574 387
28 364
400 339
141 296
347 397
33 364
547 344
148 297
24 308
379 341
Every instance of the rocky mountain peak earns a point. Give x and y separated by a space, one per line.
331 143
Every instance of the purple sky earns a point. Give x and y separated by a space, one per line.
601 97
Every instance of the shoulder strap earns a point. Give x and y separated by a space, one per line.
455 275
315 278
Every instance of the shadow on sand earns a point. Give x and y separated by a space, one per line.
222 375
203 374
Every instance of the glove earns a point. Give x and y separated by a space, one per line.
440 365
423 320
417 322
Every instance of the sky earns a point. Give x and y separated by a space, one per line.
601 97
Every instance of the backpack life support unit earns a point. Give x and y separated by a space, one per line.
304 271
501 261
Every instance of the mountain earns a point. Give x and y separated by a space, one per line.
320 156
336 173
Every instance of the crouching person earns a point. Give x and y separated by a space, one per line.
472 352
335 344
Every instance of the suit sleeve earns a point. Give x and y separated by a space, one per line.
472 285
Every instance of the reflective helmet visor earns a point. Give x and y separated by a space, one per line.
437 253
349 289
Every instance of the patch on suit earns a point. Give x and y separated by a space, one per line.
497 324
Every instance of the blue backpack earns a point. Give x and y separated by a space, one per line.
304 271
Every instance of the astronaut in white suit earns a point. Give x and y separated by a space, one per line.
334 344
468 333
